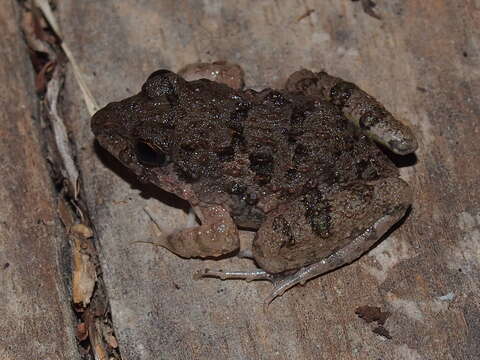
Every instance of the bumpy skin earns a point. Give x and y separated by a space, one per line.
296 165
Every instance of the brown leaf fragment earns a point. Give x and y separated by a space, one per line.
47 11
69 168
33 33
380 330
109 337
111 341
305 14
81 332
41 28
43 76
98 347
84 275
82 230
64 213
368 6
372 313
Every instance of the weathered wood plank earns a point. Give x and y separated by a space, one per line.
421 60
37 322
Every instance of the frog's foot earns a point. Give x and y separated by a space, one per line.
281 283
239 275
249 276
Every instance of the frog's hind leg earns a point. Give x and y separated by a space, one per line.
239 275
357 106
282 282
356 248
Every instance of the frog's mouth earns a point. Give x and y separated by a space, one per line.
106 125
113 144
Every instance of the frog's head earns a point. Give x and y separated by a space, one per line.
138 130
169 133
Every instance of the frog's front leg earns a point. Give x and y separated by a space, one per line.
217 236
357 106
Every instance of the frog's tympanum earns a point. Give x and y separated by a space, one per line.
299 166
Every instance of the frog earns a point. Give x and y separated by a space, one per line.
305 168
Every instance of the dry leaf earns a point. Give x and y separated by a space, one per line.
81 332
82 230
84 275
60 132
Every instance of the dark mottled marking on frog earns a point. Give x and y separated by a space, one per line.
226 154
371 118
261 164
172 99
189 172
311 184
241 191
291 174
293 134
235 122
341 92
300 153
300 112
281 225
366 171
251 198
329 176
236 188
243 208
276 98
317 212
298 116
187 147
238 117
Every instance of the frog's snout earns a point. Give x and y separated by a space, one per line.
105 120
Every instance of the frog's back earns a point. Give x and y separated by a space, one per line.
246 150
270 144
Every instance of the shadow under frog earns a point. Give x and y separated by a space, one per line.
299 166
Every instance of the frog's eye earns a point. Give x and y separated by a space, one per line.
161 83
148 155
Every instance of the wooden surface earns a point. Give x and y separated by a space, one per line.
421 60
36 320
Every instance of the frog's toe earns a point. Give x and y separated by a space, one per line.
280 286
239 275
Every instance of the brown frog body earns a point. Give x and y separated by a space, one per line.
298 166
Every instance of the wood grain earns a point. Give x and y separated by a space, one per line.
36 321
421 60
